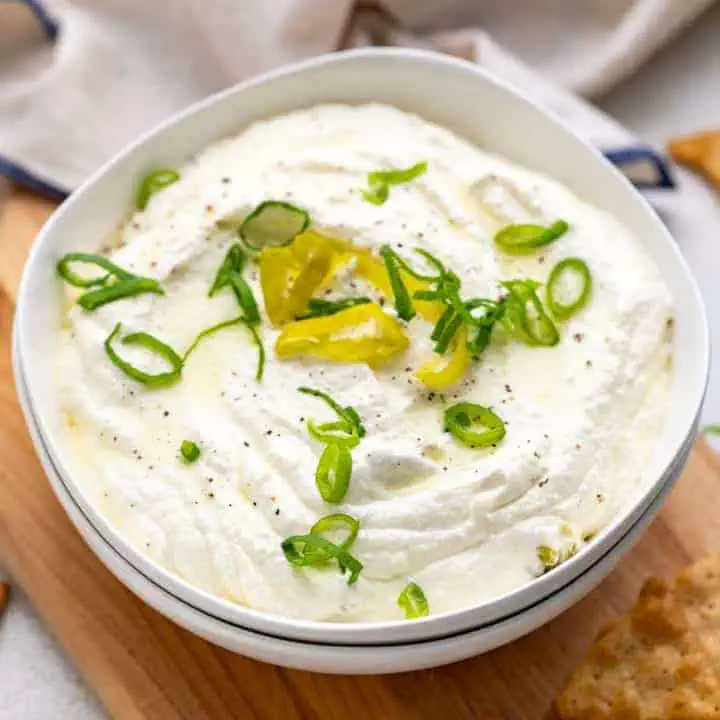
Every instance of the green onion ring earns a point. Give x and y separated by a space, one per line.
461 417
572 265
340 433
152 183
348 415
315 551
413 601
539 330
151 343
523 239
334 469
230 323
101 291
333 523
67 274
273 223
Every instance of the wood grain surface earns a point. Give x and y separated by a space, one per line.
144 666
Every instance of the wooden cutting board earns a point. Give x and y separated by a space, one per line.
143 666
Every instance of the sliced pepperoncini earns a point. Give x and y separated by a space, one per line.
291 275
360 334
441 372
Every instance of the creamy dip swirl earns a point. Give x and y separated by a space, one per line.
582 418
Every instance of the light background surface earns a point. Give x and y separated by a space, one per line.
677 93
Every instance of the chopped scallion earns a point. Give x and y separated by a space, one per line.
523 239
571 267
460 418
332 476
154 182
379 182
315 551
116 284
403 303
231 323
156 346
273 223
190 451
335 523
413 602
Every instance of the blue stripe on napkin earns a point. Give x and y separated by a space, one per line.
21 177
43 17
643 166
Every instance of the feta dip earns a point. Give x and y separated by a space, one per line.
453 474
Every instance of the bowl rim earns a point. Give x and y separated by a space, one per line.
164 599
431 626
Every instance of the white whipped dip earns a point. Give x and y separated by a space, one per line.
465 524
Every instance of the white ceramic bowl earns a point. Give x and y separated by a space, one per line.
463 98
336 658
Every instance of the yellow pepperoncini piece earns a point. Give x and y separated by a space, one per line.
360 334
440 373
291 275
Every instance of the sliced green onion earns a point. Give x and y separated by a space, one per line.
318 307
448 333
261 352
523 239
273 223
125 285
377 193
442 323
403 304
349 427
245 298
156 346
380 181
230 273
71 277
332 476
337 522
429 258
207 332
413 601
226 324
93 299
460 418
526 315
339 433
190 451
152 183
575 267
315 551
484 326
234 261
712 429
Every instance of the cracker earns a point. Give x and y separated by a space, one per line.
660 661
700 152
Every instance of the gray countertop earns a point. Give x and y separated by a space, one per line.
678 92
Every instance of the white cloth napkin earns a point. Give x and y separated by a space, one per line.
103 71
